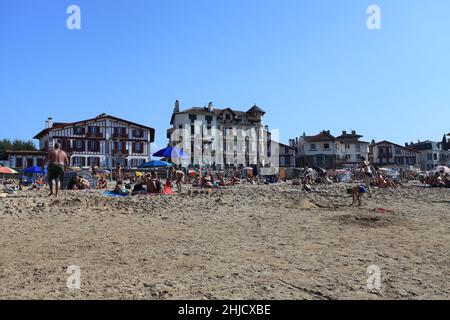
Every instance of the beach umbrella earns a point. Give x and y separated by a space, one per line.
156 164
171 152
35 170
7 170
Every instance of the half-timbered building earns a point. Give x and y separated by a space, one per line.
103 141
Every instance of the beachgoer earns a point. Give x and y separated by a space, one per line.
57 160
120 189
179 176
118 172
368 175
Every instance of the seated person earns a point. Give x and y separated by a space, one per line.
102 183
73 182
120 189
82 184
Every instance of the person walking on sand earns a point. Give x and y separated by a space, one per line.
57 160
179 176
368 175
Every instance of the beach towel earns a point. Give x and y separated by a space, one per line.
114 195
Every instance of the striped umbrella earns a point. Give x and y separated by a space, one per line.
7 170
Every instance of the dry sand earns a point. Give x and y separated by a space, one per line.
244 242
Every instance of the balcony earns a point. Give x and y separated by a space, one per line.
94 135
123 136
120 152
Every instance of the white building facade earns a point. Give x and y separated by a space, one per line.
220 138
350 149
431 154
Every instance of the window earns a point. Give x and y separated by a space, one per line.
78 161
192 117
138 133
326 146
78 145
78 131
429 156
435 156
192 129
228 116
180 126
208 119
19 162
312 147
347 146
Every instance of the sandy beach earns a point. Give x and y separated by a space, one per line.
242 242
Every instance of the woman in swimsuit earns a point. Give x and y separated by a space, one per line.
368 175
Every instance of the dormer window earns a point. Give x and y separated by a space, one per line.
228 116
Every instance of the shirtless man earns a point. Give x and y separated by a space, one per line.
179 176
57 159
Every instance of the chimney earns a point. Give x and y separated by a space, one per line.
354 132
176 109
48 123
406 144
328 131
344 132
210 107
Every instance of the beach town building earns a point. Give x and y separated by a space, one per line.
220 137
103 141
350 149
318 150
286 154
431 153
24 159
392 155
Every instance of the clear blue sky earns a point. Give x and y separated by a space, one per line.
311 64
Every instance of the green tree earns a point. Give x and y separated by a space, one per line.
15 145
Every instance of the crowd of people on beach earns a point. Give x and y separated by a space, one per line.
127 183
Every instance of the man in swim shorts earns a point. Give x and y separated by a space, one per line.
57 159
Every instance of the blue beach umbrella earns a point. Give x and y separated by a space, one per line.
156 164
171 152
35 170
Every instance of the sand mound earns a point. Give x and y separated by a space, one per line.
303 205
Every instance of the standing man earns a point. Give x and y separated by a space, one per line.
57 160
179 176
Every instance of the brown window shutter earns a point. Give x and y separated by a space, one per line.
133 147
124 147
97 146
83 145
116 146
142 147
